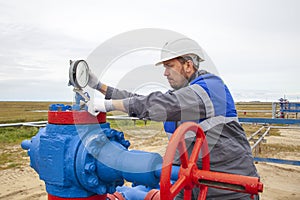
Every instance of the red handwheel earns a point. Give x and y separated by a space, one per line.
188 164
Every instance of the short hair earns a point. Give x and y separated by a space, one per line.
193 57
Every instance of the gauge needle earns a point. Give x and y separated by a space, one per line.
81 74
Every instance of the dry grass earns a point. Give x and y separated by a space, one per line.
252 128
23 111
252 107
11 155
272 150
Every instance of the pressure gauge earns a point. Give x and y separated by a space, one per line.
79 73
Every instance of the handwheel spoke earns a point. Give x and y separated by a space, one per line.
195 154
183 154
197 146
178 186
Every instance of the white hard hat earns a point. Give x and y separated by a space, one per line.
180 47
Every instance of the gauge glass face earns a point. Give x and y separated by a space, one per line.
82 74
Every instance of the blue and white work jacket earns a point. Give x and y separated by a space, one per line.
217 100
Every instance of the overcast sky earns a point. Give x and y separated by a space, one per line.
254 44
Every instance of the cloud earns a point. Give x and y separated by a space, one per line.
254 44
31 57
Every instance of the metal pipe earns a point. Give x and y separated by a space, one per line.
249 138
174 172
38 124
261 138
286 127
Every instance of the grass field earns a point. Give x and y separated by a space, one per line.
37 111
23 111
11 154
253 109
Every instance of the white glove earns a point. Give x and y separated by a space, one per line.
94 81
94 108
99 105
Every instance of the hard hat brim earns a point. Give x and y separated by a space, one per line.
165 59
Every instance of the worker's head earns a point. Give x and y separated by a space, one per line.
178 71
181 58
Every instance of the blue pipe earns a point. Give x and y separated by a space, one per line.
139 192
278 161
174 172
134 193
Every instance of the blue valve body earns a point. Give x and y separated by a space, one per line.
78 161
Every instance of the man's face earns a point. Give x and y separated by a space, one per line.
174 71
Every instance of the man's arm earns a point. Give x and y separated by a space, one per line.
103 88
114 93
183 104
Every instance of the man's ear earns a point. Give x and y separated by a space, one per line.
189 66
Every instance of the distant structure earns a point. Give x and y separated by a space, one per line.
285 108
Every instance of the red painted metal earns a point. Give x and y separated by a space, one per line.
153 195
95 197
233 182
188 165
115 196
190 176
75 117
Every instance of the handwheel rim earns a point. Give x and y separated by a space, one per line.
169 191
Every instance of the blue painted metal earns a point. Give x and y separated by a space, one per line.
289 106
78 161
291 111
174 172
59 107
134 193
278 161
138 192
79 98
270 120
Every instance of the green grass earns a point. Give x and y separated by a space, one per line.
11 153
13 135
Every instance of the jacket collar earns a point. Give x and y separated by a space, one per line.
197 74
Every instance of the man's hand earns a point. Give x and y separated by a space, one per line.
99 105
94 81
94 108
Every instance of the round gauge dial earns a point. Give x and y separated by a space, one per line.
79 73
82 74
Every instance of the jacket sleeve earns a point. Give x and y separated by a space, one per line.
182 104
114 93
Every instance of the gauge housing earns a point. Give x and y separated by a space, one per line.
79 73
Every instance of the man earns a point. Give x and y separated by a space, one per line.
198 96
